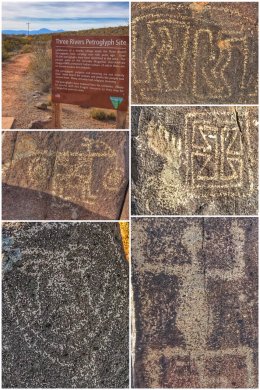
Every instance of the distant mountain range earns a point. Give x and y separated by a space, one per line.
33 32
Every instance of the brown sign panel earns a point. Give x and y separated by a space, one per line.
91 71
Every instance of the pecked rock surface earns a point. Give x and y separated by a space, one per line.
194 52
188 160
195 302
65 306
64 175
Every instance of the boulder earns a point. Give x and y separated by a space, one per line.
42 106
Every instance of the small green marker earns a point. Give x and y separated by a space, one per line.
116 101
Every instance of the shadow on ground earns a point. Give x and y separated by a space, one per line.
26 204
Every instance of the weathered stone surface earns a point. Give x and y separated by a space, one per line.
203 52
7 122
195 301
65 306
125 209
64 175
40 124
41 106
195 160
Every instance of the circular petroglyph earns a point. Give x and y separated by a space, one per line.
113 178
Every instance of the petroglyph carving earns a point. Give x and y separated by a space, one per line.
167 33
198 53
72 173
216 154
194 160
193 303
212 72
70 305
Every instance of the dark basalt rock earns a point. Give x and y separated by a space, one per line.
65 306
65 174
195 302
197 52
199 160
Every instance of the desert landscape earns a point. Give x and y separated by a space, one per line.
26 85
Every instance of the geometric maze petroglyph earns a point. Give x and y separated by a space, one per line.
77 170
195 302
216 153
65 306
194 52
194 160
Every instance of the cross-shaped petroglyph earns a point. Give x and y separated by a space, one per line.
192 305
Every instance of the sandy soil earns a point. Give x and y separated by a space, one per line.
20 94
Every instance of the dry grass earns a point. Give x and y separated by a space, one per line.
40 66
102 115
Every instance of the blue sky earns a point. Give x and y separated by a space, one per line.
72 15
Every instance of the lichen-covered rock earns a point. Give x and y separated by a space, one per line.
65 306
194 52
195 302
195 160
64 175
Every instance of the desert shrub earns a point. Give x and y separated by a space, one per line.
102 115
13 44
98 114
40 66
26 48
5 55
111 116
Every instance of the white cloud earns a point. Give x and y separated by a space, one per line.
63 15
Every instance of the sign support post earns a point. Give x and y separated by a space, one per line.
56 115
120 119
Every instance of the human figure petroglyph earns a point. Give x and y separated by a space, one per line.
68 174
194 317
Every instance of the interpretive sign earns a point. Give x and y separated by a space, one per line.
91 71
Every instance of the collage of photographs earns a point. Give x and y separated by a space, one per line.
129 194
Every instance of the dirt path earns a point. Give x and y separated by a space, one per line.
20 94
14 72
